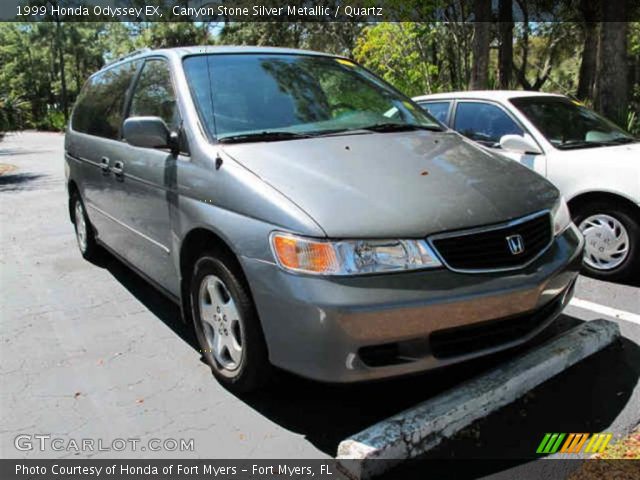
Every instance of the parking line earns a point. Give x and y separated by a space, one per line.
604 310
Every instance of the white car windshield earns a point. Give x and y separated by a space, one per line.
569 125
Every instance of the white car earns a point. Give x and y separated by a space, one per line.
594 163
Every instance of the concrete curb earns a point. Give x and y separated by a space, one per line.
414 431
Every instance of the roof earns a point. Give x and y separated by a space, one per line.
486 95
184 51
208 49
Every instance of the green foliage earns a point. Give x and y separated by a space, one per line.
44 65
53 121
335 37
14 113
33 56
400 53
634 38
633 125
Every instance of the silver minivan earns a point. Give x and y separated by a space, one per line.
306 215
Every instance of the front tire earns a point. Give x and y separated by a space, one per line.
611 236
227 324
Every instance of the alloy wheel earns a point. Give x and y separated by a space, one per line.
221 324
81 226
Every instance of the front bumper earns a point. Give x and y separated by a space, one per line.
344 329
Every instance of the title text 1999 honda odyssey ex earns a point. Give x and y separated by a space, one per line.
307 215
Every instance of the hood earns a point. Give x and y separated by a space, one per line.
614 169
406 184
626 154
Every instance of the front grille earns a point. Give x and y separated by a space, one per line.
488 249
457 341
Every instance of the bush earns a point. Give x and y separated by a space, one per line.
633 117
52 122
14 113
633 125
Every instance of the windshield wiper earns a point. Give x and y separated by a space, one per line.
400 127
621 141
569 144
266 136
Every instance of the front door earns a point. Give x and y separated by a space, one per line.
146 180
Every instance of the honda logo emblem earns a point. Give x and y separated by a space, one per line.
516 244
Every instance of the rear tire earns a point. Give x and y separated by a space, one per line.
611 235
226 324
85 235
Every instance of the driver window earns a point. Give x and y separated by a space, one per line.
154 94
484 123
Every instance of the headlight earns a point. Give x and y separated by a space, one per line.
561 216
350 257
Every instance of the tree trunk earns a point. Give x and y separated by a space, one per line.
612 82
481 39
63 77
505 53
590 11
588 65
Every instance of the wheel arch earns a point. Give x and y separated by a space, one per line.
607 197
196 241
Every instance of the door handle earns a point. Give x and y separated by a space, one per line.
104 164
118 168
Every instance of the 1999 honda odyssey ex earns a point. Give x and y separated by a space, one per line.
307 215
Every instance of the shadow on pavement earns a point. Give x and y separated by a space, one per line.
585 398
163 308
12 182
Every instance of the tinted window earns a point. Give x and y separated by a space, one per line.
154 96
439 110
484 123
100 105
569 125
251 94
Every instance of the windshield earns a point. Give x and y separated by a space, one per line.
244 95
568 125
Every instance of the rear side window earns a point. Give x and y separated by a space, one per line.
100 105
439 110
154 96
484 123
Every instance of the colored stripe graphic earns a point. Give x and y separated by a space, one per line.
579 443
556 445
550 443
574 442
598 443
543 443
565 447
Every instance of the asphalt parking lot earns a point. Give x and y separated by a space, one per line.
91 351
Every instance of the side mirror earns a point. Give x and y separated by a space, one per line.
149 132
519 144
